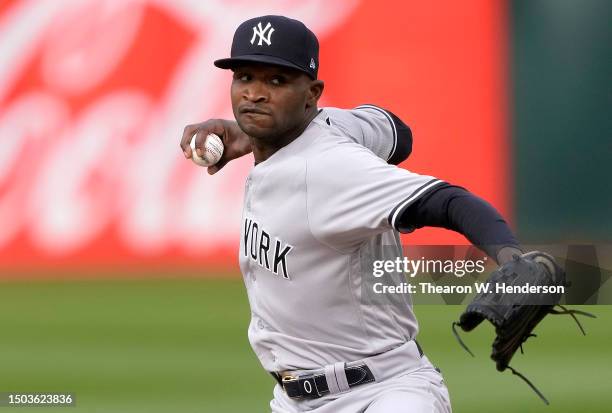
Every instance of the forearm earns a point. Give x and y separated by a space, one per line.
456 209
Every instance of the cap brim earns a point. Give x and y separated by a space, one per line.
232 62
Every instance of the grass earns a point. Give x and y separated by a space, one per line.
181 346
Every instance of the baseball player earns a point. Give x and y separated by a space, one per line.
315 202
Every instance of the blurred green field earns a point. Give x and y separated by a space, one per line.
180 346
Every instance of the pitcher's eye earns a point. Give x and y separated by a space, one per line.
243 77
278 80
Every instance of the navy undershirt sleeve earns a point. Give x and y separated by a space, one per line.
452 207
403 146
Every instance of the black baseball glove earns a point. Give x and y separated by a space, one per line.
519 295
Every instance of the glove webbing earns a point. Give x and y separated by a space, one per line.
564 311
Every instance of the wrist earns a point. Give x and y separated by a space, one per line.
507 253
241 140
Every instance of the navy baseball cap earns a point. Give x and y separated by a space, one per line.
275 40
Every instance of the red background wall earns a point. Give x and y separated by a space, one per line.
439 66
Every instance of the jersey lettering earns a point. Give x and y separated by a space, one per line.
254 233
264 244
280 258
256 246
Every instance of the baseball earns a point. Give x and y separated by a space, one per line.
213 149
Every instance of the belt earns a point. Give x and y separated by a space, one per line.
315 385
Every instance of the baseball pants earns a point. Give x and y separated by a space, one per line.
417 387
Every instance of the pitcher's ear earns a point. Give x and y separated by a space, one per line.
315 91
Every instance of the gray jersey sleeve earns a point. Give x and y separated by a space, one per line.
367 125
352 195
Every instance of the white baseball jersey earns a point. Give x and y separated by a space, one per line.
311 211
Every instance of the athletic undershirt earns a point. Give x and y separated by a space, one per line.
452 207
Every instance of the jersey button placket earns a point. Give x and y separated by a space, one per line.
247 208
248 194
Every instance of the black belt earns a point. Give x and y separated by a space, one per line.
313 386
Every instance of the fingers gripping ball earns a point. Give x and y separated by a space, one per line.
213 149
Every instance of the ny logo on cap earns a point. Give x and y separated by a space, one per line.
261 32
